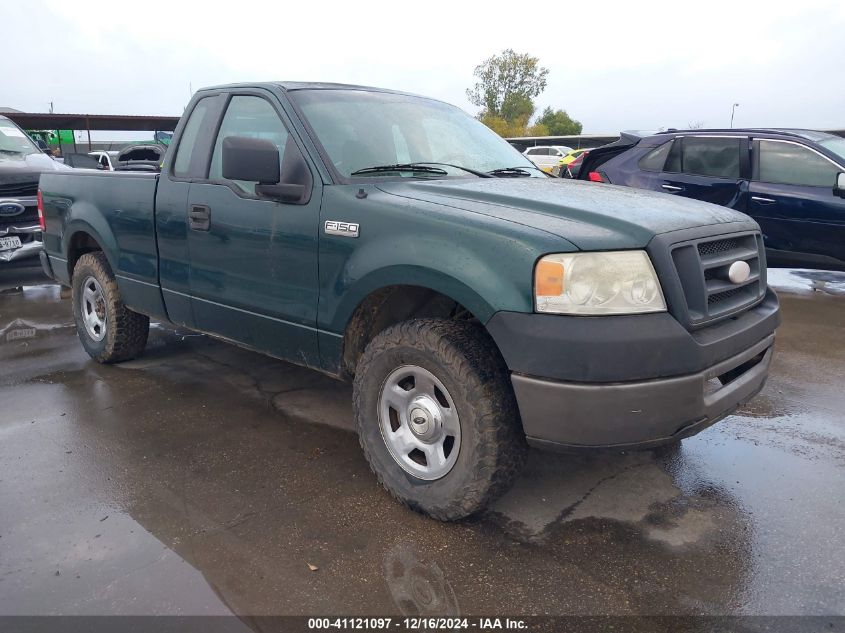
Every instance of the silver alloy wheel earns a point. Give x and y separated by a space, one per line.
419 422
93 306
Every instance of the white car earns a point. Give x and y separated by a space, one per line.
547 156
106 160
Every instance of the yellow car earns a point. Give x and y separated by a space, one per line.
571 156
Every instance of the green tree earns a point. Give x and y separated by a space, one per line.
517 107
507 84
559 123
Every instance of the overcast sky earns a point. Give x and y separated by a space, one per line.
613 65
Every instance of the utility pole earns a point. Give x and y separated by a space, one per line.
733 109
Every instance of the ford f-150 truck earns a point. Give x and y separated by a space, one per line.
21 163
395 241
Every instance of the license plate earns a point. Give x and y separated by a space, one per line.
16 335
8 243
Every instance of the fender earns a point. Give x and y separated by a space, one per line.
94 225
411 275
138 285
484 263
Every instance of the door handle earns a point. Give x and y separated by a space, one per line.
762 200
199 217
672 188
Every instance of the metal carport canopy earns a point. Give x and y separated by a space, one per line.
112 122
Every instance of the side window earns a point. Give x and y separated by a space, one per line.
253 117
708 156
791 164
188 142
655 160
533 152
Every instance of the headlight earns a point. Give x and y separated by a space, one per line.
620 282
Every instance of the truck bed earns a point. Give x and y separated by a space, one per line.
119 207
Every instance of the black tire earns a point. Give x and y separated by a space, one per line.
492 446
125 331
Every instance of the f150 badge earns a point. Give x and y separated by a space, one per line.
346 229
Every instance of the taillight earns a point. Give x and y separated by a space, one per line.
41 221
595 176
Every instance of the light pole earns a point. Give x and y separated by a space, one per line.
733 109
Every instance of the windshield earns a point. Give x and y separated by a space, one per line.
836 145
13 140
360 129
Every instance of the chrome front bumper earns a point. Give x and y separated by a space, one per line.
27 249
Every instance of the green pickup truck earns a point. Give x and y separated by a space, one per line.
477 304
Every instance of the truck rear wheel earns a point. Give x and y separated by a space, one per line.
437 418
110 332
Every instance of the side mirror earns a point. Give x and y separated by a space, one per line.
839 187
252 159
257 160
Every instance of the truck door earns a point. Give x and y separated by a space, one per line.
171 205
253 261
792 199
709 168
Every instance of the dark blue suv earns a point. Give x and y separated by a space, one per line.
792 182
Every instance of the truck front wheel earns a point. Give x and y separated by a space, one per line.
110 332
437 418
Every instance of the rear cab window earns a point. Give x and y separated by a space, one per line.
195 140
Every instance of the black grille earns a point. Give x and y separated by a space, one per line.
717 246
702 266
19 189
724 296
27 217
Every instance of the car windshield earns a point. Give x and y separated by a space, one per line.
361 129
13 140
836 145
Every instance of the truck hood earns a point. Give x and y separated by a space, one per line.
16 168
589 215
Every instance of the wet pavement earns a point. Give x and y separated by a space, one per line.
205 479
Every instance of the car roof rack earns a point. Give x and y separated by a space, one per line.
793 132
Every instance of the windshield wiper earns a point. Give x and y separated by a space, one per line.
510 172
475 172
416 167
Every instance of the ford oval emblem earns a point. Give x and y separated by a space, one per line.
739 272
8 209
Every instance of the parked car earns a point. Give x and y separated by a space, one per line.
397 242
572 155
789 181
573 169
106 159
547 157
145 157
21 163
